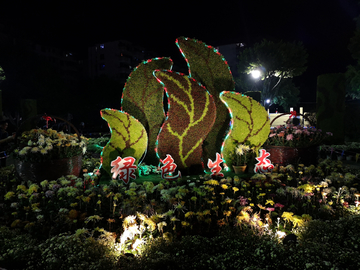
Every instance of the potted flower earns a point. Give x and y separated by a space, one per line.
242 154
48 154
289 144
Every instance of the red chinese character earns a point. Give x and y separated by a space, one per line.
215 166
264 164
168 168
124 167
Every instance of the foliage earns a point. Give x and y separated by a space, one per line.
296 136
208 67
332 248
176 222
96 145
77 251
128 138
353 71
143 99
80 250
39 145
330 100
2 74
250 123
190 118
278 63
17 250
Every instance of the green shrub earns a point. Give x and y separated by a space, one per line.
76 251
18 251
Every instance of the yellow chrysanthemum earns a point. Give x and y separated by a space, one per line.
228 200
269 202
287 216
211 182
223 186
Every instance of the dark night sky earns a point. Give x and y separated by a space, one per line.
324 26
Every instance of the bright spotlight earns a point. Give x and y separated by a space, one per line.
268 101
256 73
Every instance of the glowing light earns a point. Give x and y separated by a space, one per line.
256 73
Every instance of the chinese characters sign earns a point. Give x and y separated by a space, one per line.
215 166
124 168
264 164
169 168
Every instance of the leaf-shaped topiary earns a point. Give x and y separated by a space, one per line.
208 67
190 117
128 138
250 123
143 99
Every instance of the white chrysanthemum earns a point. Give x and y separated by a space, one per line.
35 149
22 152
49 147
73 143
241 149
30 143
43 151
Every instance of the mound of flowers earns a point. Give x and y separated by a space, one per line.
133 216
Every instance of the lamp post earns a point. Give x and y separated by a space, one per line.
256 74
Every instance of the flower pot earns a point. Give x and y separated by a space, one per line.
239 169
285 155
48 170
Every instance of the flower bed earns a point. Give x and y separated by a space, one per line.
260 209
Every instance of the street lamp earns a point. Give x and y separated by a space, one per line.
266 101
256 73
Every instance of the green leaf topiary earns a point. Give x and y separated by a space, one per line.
209 67
250 123
128 138
143 99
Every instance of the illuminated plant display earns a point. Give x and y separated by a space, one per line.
208 67
249 123
197 119
128 138
190 117
143 99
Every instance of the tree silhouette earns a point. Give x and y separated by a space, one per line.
277 63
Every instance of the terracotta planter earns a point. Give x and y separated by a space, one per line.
285 155
239 169
48 170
